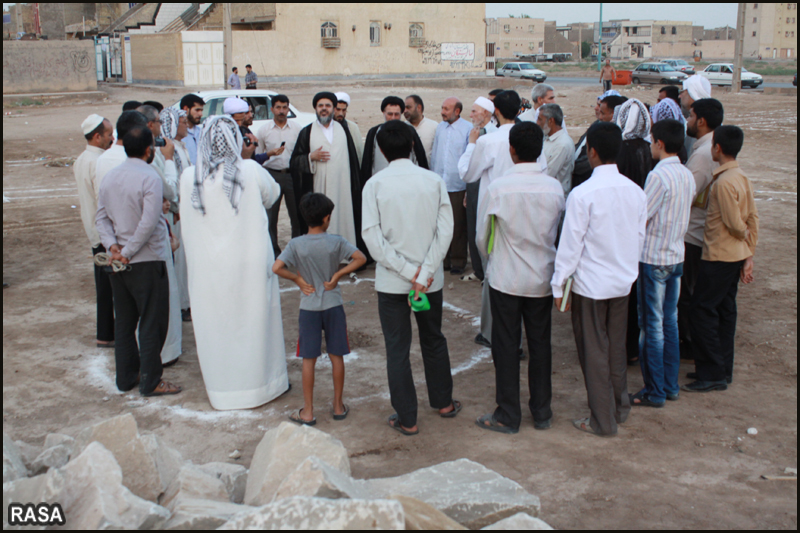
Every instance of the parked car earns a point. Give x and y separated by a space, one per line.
722 74
680 65
656 73
525 71
262 106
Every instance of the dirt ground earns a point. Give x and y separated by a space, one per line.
690 465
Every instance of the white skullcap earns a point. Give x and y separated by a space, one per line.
235 105
698 87
91 123
343 97
485 103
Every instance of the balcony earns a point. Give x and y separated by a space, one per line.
331 42
416 42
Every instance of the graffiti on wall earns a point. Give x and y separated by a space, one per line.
431 53
458 51
29 67
458 56
82 61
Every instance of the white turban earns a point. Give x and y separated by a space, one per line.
235 105
485 103
698 87
343 97
91 123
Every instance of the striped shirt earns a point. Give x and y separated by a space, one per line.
527 205
670 190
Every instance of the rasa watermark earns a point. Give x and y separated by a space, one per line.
40 514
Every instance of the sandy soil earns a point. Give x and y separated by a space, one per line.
691 465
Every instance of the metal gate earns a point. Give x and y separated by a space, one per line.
108 55
490 64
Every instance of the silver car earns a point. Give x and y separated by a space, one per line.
524 71
661 73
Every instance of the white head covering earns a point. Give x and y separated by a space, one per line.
698 87
485 103
343 97
235 105
220 143
633 119
169 129
91 123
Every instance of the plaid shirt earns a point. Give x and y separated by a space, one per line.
251 79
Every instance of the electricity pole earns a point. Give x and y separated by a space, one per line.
600 41
227 43
736 83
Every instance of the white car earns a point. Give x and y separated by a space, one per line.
722 74
262 106
525 71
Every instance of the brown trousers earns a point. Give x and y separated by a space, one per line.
457 256
600 329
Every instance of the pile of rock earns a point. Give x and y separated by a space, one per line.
110 476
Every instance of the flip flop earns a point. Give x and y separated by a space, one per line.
167 389
297 420
105 344
640 400
394 423
494 425
456 409
341 416
584 424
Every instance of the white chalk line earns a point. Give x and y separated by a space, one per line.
43 197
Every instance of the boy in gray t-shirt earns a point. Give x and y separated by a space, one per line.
316 258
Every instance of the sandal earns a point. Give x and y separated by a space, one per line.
394 423
456 409
341 416
584 424
164 389
640 400
296 418
105 344
494 425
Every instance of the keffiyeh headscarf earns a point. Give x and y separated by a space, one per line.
169 129
633 119
607 94
220 143
667 109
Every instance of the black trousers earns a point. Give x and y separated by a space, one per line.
457 255
141 299
508 314
713 320
691 269
284 180
632 338
472 228
105 300
396 324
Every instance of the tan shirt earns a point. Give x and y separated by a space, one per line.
732 222
88 189
702 166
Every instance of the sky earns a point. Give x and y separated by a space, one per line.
710 15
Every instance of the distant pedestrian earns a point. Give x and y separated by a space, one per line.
233 80
731 236
251 78
316 258
607 75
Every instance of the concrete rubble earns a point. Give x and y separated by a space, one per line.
318 513
111 477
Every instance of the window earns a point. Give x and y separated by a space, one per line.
416 35
507 28
755 19
754 34
330 35
506 46
674 30
713 68
530 28
374 33
755 6
663 30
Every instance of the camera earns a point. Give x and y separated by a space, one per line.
160 142
247 141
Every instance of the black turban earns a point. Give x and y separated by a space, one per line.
393 100
325 95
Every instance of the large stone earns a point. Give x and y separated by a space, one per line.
93 496
317 513
40 489
56 439
193 483
234 477
28 453
120 436
203 514
281 451
467 492
519 522
168 460
314 478
422 517
13 466
54 457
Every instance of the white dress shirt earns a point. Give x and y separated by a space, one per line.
463 161
113 157
85 170
603 236
527 205
490 159
169 175
270 136
448 146
327 130
560 154
702 166
427 133
407 223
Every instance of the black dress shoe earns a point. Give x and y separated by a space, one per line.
186 315
706 386
693 376
483 341
542 426
456 271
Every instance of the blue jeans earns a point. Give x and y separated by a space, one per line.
659 342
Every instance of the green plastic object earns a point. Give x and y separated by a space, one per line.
421 305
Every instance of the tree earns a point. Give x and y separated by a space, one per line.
586 50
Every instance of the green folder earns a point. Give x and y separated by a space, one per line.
491 234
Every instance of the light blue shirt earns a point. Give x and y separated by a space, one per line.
233 82
190 142
448 146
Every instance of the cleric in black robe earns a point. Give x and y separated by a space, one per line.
373 162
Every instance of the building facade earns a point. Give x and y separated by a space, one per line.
770 31
645 39
515 37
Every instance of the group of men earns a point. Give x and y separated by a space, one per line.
606 227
